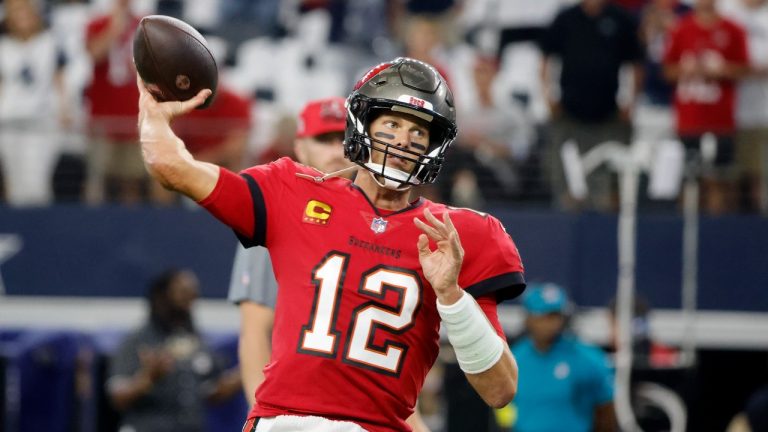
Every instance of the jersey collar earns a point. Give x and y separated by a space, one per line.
384 213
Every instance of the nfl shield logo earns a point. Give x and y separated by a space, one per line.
378 225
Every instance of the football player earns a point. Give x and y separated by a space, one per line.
366 276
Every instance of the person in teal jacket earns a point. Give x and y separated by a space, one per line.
565 384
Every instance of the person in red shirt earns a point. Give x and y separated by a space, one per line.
366 277
115 169
705 56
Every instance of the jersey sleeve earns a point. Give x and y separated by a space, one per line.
252 278
489 306
492 263
248 202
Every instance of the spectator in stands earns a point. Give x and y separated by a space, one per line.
32 104
654 117
116 171
494 141
632 6
752 103
424 40
706 57
163 374
568 384
592 40
281 143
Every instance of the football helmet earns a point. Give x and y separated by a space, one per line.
408 86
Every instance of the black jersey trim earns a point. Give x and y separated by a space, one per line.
506 286
259 215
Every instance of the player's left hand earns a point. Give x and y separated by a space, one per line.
441 267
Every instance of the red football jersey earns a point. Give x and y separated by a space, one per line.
356 325
706 105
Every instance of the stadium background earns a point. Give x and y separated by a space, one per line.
73 273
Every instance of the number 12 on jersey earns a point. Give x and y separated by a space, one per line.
321 337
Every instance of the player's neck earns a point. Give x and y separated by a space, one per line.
382 198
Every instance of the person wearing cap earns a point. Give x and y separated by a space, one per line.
565 384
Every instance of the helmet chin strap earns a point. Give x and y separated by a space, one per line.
398 185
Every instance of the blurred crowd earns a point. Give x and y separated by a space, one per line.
547 93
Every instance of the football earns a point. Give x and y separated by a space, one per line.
173 59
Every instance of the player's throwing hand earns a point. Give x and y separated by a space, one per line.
155 117
441 267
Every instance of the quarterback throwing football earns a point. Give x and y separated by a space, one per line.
366 277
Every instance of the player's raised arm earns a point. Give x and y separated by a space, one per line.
482 355
165 155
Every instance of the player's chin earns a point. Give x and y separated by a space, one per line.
400 164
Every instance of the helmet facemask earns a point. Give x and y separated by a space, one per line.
397 96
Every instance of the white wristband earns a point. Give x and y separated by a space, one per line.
474 339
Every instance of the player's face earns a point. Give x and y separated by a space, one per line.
545 328
324 152
400 131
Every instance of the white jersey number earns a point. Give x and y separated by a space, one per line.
320 337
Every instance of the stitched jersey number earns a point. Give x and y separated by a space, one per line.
319 336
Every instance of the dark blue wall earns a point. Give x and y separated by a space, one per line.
114 251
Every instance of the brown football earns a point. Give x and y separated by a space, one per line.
173 59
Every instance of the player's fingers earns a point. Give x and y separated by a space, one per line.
448 222
439 226
190 104
428 230
423 245
456 249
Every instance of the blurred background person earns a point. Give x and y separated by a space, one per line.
33 104
592 41
424 39
493 144
115 170
163 374
752 104
754 417
654 115
565 384
705 57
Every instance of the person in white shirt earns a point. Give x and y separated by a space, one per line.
31 98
